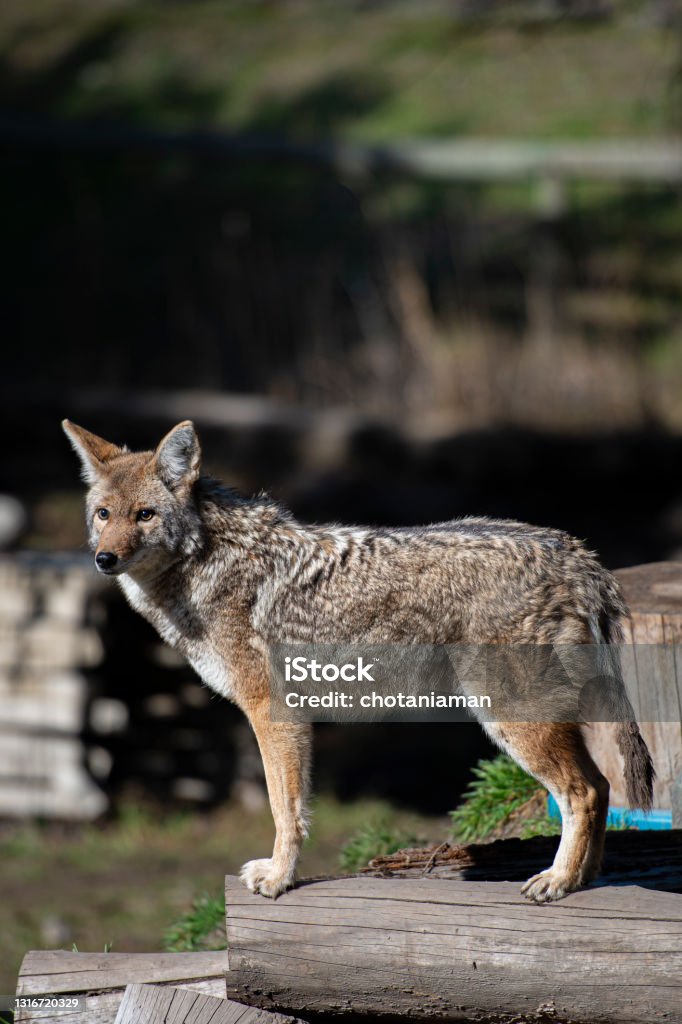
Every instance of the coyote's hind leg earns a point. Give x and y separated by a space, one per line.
555 753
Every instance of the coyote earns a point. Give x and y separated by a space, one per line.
222 577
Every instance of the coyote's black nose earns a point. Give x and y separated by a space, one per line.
106 560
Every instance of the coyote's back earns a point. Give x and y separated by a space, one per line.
471 580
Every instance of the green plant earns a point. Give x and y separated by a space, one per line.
499 788
191 932
540 825
372 840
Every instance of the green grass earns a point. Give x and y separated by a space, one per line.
499 788
373 840
191 931
540 825
317 68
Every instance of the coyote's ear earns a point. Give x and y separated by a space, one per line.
93 451
178 457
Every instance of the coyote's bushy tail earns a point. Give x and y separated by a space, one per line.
638 768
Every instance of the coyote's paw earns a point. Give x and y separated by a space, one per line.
265 877
549 885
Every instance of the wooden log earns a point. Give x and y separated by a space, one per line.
430 948
155 1004
651 859
653 677
43 774
23 700
103 977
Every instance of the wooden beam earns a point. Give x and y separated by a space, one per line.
102 978
426 948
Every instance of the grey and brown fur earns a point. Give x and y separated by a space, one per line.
222 577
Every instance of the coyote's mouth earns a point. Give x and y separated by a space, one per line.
115 570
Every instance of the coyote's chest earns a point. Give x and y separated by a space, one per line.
212 670
177 633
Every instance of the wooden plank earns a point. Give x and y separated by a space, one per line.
654 587
665 743
652 671
603 747
44 774
672 634
23 701
33 754
44 644
152 1004
49 971
99 1009
659 704
655 657
102 978
424 948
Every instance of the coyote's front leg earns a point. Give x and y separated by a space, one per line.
285 749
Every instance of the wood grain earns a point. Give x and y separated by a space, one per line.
452 950
653 587
155 1004
653 676
102 978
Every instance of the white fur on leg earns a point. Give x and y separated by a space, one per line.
267 877
555 882
549 885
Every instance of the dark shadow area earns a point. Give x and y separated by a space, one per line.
423 767
615 490
652 859
323 110
129 268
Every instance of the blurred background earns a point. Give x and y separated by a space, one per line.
400 261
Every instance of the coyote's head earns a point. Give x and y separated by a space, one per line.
141 512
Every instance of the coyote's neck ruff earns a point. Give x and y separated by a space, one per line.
222 577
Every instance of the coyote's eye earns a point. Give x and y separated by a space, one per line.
103 513
145 514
